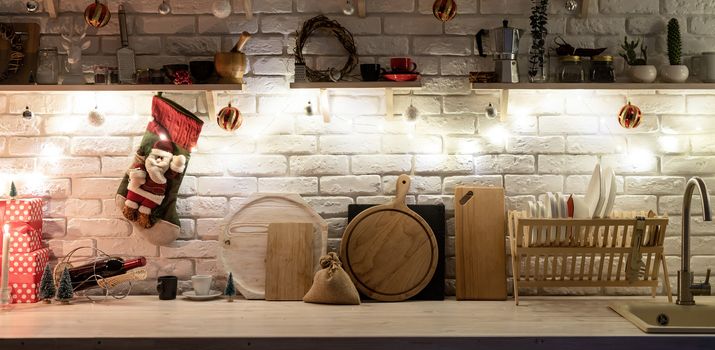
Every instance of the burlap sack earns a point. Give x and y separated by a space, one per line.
332 285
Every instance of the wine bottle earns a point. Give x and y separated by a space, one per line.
86 276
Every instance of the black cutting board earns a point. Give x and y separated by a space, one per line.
434 215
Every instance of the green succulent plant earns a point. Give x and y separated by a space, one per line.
674 43
629 52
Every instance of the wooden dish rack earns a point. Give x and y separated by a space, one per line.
626 251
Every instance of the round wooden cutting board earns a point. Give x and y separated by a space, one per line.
389 251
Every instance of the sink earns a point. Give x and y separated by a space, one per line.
661 317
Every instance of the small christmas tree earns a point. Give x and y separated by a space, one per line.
674 43
13 190
65 292
230 288
47 285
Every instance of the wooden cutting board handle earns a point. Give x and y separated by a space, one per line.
403 186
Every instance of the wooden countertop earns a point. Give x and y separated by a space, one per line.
144 322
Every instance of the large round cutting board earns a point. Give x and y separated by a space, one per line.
389 251
243 243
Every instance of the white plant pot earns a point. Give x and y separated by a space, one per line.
642 74
674 73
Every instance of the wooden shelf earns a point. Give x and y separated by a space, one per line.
593 86
358 85
121 87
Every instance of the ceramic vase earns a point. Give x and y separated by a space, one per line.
642 74
674 73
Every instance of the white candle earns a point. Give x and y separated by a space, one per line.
5 258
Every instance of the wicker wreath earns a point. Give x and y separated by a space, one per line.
342 34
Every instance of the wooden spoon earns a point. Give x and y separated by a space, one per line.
241 42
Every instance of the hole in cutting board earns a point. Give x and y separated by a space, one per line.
467 196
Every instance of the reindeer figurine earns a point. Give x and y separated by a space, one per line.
73 41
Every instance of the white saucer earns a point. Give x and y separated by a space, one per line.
192 295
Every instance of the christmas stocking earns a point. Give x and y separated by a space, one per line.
147 194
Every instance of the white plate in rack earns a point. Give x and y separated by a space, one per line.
610 186
595 193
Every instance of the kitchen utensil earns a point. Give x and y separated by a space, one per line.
401 76
402 65
704 66
610 186
125 55
243 243
389 251
201 284
164 8
435 216
505 48
167 286
480 243
593 198
201 71
370 71
231 66
289 260
211 294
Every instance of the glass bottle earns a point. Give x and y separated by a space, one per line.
571 70
48 67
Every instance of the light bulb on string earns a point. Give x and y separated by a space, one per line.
348 9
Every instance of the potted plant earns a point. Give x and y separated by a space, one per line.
675 72
638 68
538 57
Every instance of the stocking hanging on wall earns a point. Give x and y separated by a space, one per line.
147 194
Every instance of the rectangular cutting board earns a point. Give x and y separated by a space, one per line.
480 243
435 217
289 260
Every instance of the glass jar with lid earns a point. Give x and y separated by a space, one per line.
48 67
571 70
602 69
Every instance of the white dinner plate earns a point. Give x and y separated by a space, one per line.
610 185
192 295
594 191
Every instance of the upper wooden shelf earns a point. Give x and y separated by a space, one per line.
358 85
121 87
593 86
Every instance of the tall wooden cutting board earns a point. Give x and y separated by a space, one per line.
480 243
389 251
289 260
244 241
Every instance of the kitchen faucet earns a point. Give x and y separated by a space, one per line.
686 288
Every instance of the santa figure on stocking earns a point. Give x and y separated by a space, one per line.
147 181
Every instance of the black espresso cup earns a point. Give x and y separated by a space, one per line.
167 286
370 71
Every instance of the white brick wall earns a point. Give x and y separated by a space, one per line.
549 143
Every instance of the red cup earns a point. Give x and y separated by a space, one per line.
402 65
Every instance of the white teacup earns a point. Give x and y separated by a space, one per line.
201 284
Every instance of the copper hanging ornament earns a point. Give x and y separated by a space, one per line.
97 15
630 116
444 10
229 118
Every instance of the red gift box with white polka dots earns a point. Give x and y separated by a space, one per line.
26 210
25 274
25 239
